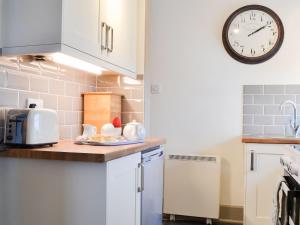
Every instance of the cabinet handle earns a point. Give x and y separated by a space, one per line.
142 188
252 161
106 37
111 40
103 26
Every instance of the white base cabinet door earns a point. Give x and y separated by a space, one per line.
262 172
50 192
123 198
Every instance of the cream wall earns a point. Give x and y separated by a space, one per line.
200 107
1 25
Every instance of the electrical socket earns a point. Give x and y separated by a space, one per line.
39 102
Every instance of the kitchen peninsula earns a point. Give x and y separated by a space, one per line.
72 184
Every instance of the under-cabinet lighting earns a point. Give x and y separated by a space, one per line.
76 63
131 81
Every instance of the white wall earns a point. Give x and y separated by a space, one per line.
1 2
200 107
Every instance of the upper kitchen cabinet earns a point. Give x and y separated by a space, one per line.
80 25
31 26
119 32
101 32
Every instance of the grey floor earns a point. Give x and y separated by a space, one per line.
187 223
183 223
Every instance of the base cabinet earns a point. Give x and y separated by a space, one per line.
262 172
46 192
123 198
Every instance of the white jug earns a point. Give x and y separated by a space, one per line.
89 130
134 131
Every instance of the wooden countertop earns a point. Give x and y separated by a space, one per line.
68 151
271 140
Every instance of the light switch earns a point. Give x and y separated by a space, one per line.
156 89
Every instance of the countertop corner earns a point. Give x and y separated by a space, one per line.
68 151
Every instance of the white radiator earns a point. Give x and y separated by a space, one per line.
192 185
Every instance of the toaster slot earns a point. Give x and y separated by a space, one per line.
16 129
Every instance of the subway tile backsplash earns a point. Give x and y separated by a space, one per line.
261 109
61 87
132 91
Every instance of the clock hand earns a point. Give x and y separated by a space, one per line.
257 30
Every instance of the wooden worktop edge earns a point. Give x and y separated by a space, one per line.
262 140
48 153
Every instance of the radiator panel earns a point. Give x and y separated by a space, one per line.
192 185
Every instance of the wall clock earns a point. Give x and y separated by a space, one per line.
253 34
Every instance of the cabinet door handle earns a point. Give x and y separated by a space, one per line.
103 27
142 188
111 48
252 161
108 28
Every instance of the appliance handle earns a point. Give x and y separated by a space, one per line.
153 157
291 222
285 188
252 161
142 187
157 155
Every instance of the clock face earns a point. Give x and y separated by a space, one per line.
253 34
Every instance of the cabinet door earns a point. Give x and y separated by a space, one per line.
80 29
263 170
123 199
121 16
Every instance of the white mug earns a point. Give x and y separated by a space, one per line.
89 130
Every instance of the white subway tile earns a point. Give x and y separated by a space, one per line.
39 84
72 89
56 87
64 103
17 80
50 101
9 98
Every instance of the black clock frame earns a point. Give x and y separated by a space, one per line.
259 59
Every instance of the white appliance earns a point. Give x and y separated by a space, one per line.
192 186
152 186
288 206
291 162
31 127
